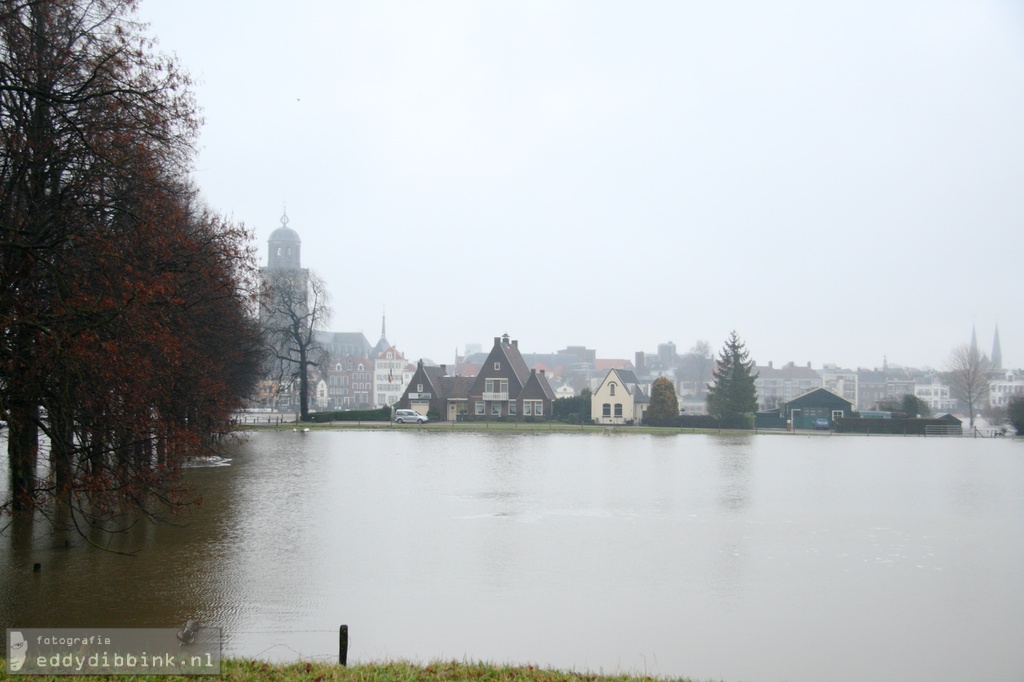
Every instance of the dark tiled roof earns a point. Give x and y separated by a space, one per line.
456 387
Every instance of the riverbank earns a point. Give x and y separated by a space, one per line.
484 426
395 671
559 427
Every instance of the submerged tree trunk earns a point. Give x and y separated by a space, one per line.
23 453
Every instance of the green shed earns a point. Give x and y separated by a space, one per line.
818 403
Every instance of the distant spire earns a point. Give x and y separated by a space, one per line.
997 352
974 342
383 335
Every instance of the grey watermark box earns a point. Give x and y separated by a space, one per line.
191 650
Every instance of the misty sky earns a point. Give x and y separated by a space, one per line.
837 182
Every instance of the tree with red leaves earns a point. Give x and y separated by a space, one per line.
127 330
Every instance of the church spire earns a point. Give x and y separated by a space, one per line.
383 318
974 341
997 352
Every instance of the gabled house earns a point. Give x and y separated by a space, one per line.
425 392
506 387
819 403
619 399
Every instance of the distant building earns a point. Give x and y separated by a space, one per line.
392 373
776 385
936 394
1001 391
842 382
871 389
284 258
350 383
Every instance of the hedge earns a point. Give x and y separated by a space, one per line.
382 414
906 427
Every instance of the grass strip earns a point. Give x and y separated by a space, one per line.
236 670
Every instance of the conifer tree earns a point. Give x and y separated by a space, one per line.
664 405
733 396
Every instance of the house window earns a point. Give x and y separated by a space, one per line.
606 410
512 408
527 408
611 389
497 366
538 409
390 356
496 409
618 410
419 388
480 407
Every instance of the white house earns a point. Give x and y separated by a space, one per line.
936 395
1006 388
618 399
391 373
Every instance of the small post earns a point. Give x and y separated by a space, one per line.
343 645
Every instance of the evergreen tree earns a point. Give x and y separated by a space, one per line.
732 396
664 405
1015 413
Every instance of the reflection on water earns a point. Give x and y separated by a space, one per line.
753 557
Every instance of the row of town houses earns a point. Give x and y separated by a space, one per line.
504 382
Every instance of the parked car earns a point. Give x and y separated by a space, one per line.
409 417
822 423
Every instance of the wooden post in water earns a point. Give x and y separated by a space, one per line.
343 645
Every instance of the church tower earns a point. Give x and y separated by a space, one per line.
284 264
284 248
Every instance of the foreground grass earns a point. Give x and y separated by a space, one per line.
245 671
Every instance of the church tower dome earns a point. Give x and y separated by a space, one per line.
284 248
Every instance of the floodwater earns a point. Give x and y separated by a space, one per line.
760 557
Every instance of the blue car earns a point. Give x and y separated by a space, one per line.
821 423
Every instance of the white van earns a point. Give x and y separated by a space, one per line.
409 417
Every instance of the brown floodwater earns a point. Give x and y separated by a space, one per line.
763 557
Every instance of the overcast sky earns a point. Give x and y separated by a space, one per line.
837 181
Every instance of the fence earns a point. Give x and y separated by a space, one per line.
939 430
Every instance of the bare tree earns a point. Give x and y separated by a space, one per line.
695 367
296 305
967 374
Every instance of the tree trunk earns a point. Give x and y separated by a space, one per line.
23 453
61 451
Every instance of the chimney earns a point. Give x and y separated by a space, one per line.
444 370
770 364
497 340
515 343
542 373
